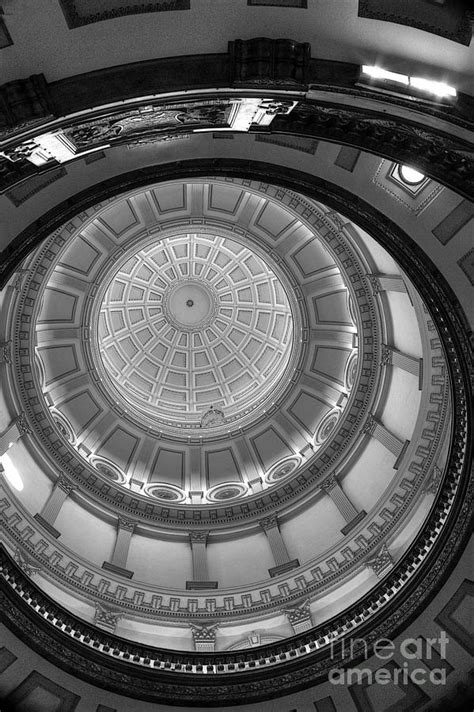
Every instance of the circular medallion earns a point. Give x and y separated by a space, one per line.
326 426
226 491
190 304
283 469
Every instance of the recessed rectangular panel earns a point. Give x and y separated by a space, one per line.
58 362
466 263
58 306
37 693
168 467
308 410
221 466
27 188
5 39
80 257
273 220
119 447
332 309
84 12
120 218
297 143
224 199
7 658
330 362
80 410
170 198
312 258
347 158
452 223
270 448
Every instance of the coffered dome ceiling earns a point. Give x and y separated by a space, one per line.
194 321
136 317
231 419
195 366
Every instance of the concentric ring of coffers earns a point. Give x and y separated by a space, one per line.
194 321
338 559
318 276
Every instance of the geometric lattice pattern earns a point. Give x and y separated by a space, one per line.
195 320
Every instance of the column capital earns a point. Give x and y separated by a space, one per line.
204 637
269 522
374 283
19 275
5 352
66 485
197 536
106 617
329 483
386 357
22 424
203 633
298 613
369 426
381 562
434 480
127 524
299 617
25 564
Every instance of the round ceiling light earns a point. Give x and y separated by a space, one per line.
410 175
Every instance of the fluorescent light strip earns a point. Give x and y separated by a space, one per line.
428 85
379 73
437 88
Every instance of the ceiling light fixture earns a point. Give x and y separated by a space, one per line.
379 73
438 88
410 175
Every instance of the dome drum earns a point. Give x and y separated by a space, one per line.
278 490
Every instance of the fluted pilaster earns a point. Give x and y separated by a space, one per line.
396 446
278 547
391 357
13 433
198 542
332 488
118 564
48 515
